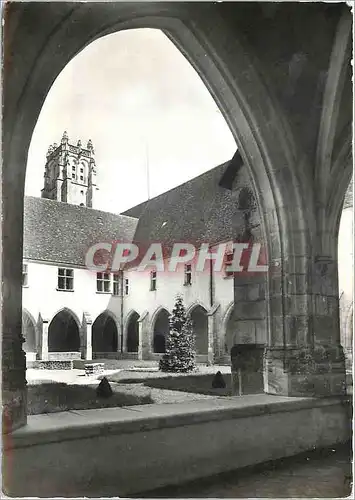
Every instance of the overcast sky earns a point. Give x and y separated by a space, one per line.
132 92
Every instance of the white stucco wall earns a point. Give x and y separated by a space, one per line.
169 285
42 297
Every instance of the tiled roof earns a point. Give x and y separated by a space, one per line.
62 233
197 211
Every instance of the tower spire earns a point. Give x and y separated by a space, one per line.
65 137
90 146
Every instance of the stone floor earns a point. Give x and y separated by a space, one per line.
319 474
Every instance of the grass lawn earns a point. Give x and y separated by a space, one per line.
55 397
198 384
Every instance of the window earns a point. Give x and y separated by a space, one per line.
126 286
188 274
24 274
228 259
81 178
116 284
103 282
82 170
153 281
73 169
65 279
73 176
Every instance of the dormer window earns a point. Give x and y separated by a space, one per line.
153 281
24 274
228 260
188 274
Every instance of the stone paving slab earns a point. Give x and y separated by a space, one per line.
314 474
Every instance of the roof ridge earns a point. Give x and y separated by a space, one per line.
176 187
79 207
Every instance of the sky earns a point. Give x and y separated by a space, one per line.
144 107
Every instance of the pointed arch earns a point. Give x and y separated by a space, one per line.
105 333
160 329
199 319
64 332
29 331
71 312
227 323
132 331
192 306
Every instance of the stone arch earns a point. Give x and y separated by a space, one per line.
227 328
160 329
29 332
237 81
105 333
64 332
199 320
259 126
132 331
192 306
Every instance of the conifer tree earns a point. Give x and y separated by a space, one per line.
180 352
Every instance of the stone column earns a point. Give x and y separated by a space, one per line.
307 358
14 392
143 338
140 337
86 350
44 343
212 341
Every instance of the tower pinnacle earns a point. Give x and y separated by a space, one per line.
65 137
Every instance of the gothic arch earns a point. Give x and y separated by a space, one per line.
71 312
29 331
192 306
199 319
262 132
105 330
64 332
159 329
132 331
225 327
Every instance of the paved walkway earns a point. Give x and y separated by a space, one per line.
319 474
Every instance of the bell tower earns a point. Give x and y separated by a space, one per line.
70 173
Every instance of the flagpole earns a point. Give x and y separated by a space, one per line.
147 168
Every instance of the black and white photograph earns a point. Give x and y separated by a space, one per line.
177 255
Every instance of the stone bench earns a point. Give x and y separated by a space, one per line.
94 368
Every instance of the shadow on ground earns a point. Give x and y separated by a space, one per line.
54 397
197 384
